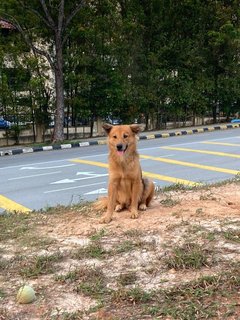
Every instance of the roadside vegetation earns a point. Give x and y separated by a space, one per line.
146 61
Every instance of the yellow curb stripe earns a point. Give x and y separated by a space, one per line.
102 142
165 135
145 173
190 164
222 143
12 206
222 154
150 136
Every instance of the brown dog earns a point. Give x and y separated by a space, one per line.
126 188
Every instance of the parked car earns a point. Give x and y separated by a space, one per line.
113 120
4 124
235 121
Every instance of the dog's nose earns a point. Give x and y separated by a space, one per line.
119 147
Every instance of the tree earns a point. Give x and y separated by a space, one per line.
45 27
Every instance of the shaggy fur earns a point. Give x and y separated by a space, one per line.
126 187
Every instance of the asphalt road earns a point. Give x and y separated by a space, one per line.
45 179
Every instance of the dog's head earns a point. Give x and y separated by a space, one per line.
122 138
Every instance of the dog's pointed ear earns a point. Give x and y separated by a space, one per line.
136 128
107 127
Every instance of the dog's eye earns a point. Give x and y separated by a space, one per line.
115 137
125 136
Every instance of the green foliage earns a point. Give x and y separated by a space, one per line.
168 60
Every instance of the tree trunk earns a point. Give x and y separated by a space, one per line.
58 134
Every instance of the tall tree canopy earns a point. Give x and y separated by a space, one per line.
158 59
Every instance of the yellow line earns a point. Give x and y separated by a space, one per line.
190 164
92 163
222 154
145 173
170 179
12 206
222 143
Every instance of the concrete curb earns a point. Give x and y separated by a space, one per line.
101 142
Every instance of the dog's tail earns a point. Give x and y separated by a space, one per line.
101 203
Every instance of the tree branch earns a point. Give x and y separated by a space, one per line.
81 4
28 41
48 15
41 17
36 13
61 16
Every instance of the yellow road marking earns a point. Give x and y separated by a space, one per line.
190 164
222 154
92 163
12 206
145 173
222 143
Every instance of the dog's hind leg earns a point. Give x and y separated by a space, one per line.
148 193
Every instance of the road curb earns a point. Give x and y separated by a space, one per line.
12 152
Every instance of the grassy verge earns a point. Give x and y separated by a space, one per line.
171 266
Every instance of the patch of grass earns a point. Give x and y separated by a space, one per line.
93 251
232 235
178 187
135 295
189 256
125 246
37 242
70 277
92 283
133 233
3 263
200 299
127 278
98 235
2 294
169 202
78 315
208 196
38 265
14 226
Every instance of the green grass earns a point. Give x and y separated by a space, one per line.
14 226
232 235
92 283
126 279
32 267
94 250
188 256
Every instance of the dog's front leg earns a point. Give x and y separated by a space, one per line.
112 195
136 191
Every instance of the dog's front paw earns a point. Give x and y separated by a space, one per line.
106 218
119 208
134 214
142 207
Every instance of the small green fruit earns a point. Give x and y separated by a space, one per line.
26 294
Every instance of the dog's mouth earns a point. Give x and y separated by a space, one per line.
121 149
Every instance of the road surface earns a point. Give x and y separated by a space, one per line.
64 177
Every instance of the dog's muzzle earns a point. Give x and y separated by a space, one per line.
121 148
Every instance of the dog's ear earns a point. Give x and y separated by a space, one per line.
136 128
107 127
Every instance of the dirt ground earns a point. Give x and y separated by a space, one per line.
179 260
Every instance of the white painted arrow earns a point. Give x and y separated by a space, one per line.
98 191
85 173
79 179
63 181
44 168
